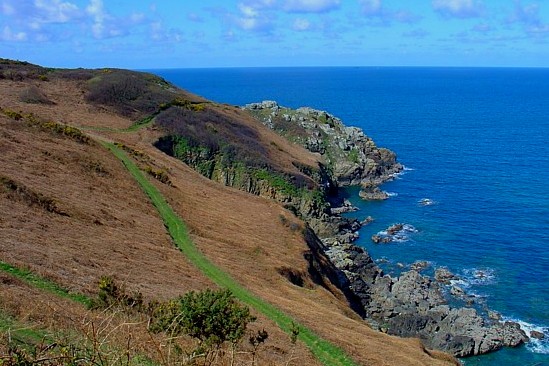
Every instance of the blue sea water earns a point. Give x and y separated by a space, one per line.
475 142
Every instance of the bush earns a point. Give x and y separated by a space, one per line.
129 93
205 127
34 95
158 174
211 317
111 294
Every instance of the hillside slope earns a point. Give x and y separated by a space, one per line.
72 213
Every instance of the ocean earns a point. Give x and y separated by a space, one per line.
476 186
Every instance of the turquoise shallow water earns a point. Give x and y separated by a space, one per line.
475 144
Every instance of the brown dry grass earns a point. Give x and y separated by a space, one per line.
241 233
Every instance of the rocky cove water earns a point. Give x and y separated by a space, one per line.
477 192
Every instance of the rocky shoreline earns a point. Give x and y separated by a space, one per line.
412 304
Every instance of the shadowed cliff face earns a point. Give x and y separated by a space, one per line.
223 149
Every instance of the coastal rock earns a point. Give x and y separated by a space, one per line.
371 192
443 275
352 156
347 206
457 291
536 335
411 305
393 229
419 266
414 305
376 238
394 233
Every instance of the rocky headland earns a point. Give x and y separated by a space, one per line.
412 304
351 157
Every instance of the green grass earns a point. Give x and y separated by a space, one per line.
323 350
43 284
147 121
18 332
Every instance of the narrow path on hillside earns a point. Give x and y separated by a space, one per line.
28 333
323 350
43 284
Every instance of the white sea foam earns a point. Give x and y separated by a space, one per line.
426 202
404 170
390 194
400 236
534 345
479 276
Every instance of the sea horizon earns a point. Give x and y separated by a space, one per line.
340 67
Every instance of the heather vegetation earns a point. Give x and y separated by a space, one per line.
232 153
17 191
47 125
125 91
21 70
210 132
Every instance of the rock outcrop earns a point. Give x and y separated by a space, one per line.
414 305
352 157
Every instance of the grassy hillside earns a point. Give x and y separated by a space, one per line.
71 213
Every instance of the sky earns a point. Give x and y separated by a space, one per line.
264 33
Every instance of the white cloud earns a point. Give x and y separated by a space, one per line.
301 24
458 8
380 15
310 6
11 36
56 11
252 17
248 11
104 25
96 11
39 12
159 33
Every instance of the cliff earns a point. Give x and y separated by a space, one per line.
351 156
71 213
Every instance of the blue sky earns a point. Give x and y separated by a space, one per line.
173 34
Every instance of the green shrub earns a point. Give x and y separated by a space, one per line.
211 317
158 174
12 114
111 294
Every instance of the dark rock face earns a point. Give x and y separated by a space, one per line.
413 305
